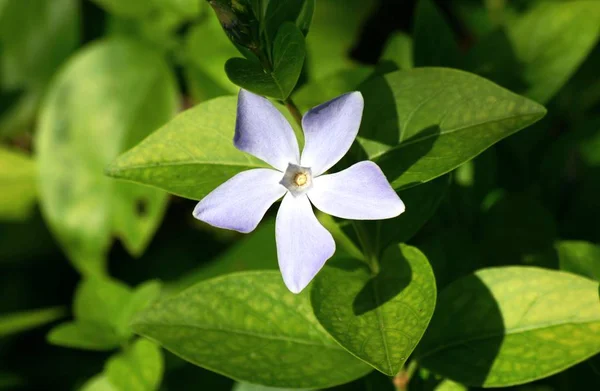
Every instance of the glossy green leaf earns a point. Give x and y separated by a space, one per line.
207 48
17 185
421 123
434 43
234 325
103 310
288 59
379 319
191 155
108 98
511 325
36 36
139 368
254 387
579 257
552 40
22 321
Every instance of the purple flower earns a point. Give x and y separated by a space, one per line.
360 192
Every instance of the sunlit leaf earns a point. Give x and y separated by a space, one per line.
17 185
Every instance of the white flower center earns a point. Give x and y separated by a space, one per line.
297 179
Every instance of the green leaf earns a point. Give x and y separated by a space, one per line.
288 59
305 17
103 310
191 155
109 97
281 12
434 42
139 368
552 40
130 8
85 335
254 387
579 257
380 319
22 321
512 325
17 185
421 123
249 327
36 36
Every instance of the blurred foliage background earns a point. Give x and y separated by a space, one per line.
519 202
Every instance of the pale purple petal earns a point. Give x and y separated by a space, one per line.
262 131
329 130
360 192
241 202
303 245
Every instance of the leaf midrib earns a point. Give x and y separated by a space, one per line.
114 170
245 333
516 330
450 131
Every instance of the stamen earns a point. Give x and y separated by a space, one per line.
300 179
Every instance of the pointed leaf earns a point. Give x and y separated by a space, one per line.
191 155
234 325
288 59
21 321
512 325
380 319
107 98
421 123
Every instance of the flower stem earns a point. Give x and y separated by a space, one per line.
293 109
369 251
402 379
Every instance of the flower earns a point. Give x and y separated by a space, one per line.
360 192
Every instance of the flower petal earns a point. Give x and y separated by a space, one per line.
241 202
360 192
303 245
329 130
262 131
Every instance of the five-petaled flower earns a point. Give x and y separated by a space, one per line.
360 192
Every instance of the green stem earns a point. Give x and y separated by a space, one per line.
369 251
293 109
402 379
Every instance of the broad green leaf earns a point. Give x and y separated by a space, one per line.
207 48
98 383
434 43
139 368
579 257
512 325
249 327
191 155
103 310
335 27
255 252
421 123
109 97
17 185
36 36
552 40
288 59
22 321
378 318
399 49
